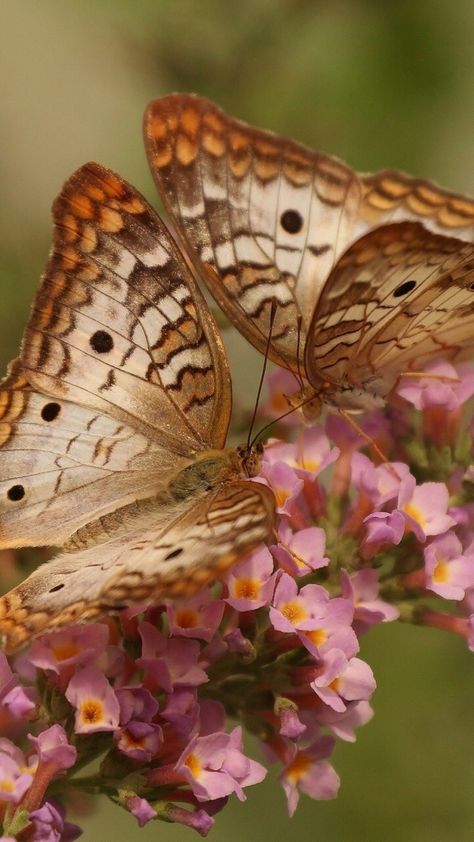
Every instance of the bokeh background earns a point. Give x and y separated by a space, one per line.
377 83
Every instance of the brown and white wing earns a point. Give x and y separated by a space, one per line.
398 296
391 196
119 325
265 217
189 545
62 464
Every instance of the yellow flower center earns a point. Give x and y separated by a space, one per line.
247 588
441 571
186 618
193 764
293 611
415 513
281 495
63 651
317 636
92 712
298 767
7 785
335 684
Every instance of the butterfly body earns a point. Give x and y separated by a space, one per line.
350 279
113 423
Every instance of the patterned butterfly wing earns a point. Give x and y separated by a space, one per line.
391 196
118 323
122 375
265 217
188 545
398 296
61 462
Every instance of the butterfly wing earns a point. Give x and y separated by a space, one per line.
392 196
189 544
265 217
122 374
398 296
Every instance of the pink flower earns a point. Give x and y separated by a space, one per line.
331 630
14 782
281 382
309 455
71 646
198 617
49 825
291 725
215 766
141 809
424 507
343 723
19 702
362 589
286 486
384 528
136 703
294 610
140 740
448 571
97 707
301 552
250 583
451 393
181 710
169 663
308 771
52 747
381 483
341 680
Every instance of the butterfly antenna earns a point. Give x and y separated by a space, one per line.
262 376
298 347
280 417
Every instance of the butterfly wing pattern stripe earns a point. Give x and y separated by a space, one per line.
113 422
268 219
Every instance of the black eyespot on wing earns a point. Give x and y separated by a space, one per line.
101 342
56 588
173 554
15 493
404 288
50 411
291 221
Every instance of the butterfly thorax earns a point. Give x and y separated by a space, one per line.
208 470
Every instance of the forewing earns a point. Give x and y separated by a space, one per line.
399 296
189 545
62 464
265 217
392 196
118 324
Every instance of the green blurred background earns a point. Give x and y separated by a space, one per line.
377 83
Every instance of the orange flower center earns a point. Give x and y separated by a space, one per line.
247 588
298 767
441 571
92 711
293 611
193 764
415 513
186 618
317 636
63 651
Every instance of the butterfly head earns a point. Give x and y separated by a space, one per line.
251 458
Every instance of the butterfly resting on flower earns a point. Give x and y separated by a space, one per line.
113 423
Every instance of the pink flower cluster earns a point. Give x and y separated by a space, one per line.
274 648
